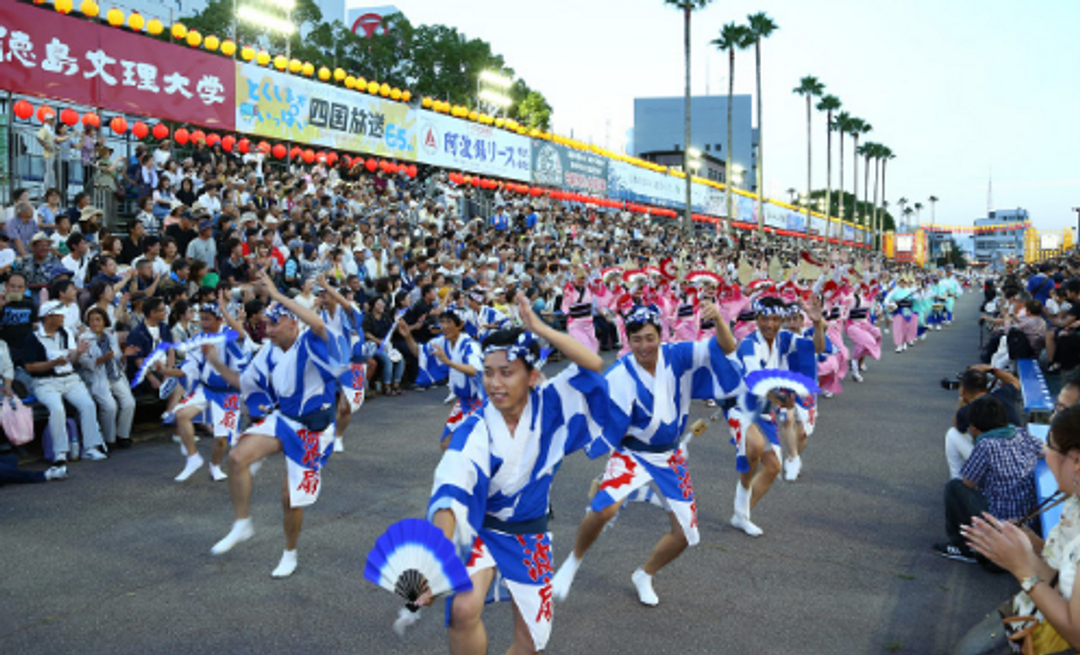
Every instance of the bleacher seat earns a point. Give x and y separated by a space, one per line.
1045 484
1038 404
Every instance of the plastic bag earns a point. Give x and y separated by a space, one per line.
17 420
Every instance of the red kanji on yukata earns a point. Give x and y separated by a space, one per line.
616 481
545 604
677 462
310 483
311 447
538 561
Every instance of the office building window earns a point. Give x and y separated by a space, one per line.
717 147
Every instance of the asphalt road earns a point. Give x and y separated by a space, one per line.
116 559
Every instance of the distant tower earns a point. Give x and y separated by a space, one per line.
990 192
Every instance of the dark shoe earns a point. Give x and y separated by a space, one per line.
949 551
123 444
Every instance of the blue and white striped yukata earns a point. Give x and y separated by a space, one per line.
468 390
217 401
789 352
498 485
344 326
650 413
299 386
485 316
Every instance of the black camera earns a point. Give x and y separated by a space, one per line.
951 384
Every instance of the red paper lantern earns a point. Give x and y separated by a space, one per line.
140 130
213 139
118 125
371 165
346 161
280 151
309 156
161 132
359 163
198 135
331 158
69 117
24 109
264 147
321 157
181 136
228 142
296 152
43 111
411 171
244 146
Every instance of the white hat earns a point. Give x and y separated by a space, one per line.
51 308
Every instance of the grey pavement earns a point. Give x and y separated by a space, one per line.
116 559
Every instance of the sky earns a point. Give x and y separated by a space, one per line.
962 91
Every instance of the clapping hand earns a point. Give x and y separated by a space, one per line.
813 308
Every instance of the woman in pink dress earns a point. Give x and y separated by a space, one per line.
578 306
865 337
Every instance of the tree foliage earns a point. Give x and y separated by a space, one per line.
433 60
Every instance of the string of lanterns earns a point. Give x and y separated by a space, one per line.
977 229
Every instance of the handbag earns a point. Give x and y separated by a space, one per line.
1035 636
18 421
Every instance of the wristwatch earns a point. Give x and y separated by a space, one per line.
1028 584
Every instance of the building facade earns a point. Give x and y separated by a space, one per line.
994 246
360 16
659 128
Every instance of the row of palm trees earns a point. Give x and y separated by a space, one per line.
760 26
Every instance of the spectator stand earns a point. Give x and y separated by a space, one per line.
1038 403
1045 484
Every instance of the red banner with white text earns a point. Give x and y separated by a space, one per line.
47 54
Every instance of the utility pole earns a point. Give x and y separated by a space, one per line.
1077 210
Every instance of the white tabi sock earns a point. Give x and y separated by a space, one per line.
194 463
217 474
741 519
564 577
643 582
339 445
286 566
242 530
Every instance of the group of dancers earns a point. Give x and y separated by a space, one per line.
695 336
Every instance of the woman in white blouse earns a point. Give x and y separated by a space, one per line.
102 369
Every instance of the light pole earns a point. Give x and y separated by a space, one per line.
496 93
257 16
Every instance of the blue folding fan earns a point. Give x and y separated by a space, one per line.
762 382
412 557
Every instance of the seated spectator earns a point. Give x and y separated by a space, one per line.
133 243
183 323
997 478
50 353
22 227
102 369
975 383
10 473
78 259
1032 323
41 265
377 325
146 337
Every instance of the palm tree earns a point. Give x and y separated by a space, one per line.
859 126
884 155
687 7
918 213
732 37
875 154
933 201
903 206
843 123
828 104
792 192
908 211
809 87
866 150
761 27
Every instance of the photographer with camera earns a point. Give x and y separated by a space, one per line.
976 382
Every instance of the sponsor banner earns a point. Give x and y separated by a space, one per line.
44 53
1049 241
775 215
287 107
450 142
636 184
559 166
817 225
796 221
745 209
905 242
849 233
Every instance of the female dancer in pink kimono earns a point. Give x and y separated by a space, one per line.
865 337
578 306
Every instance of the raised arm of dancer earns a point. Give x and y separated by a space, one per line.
574 350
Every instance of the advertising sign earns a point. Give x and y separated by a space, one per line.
47 54
1049 241
559 166
905 242
636 184
849 233
286 107
453 143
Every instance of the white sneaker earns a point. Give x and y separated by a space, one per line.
287 565
923 337
60 459
255 466
217 474
339 445
826 394
564 577
241 531
855 372
450 398
938 327
792 467
743 523
643 582
95 455
863 367
899 349
885 330
194 463
56 473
